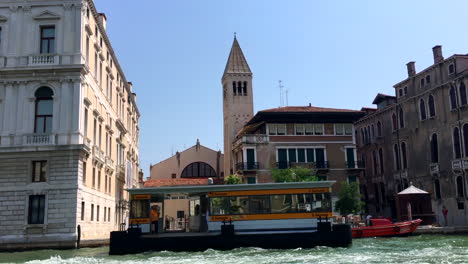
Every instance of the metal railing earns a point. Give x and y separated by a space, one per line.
357 164
246 166
311 165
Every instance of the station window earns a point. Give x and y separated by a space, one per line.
277 129
343 129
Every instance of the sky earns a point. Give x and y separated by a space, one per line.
330 53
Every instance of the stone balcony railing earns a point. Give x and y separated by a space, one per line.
253 139
434 168
43 60
457 165
109 162
98 154
39 139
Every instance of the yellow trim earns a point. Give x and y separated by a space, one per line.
141 196
217 218
266 192
140 221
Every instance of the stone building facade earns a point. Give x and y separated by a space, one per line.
68 126
423 139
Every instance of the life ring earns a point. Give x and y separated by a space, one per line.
396 229
359 232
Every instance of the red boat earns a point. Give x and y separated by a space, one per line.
385 228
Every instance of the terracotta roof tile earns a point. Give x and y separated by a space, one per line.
307 109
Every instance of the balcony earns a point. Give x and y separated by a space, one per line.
87 144
434 168
98 154
39 139
109 164
464 162
253 139
354 165
43 60
319 165
121 172
247 166
457 165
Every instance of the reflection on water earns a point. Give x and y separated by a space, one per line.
416 249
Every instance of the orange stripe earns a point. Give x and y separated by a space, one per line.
266 192
141 196
140 221
218 218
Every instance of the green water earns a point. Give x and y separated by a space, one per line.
415 249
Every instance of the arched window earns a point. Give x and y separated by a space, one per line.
198 169
239 87
396 153
434 149
363 136
431 106
394 122
372 132
401 119
437 189
453 98
462 94
422 109
43 110
460 187
244 88
403 155
234 88
379 129
381 161
456 143
374 162
465 138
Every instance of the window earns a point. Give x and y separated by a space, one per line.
309 129
291 156
428 79
36 210
401 118
374 162
403 155
47 45
405 90
39 170
381 161
85 128
43 110
92 212
460 187
396 154
94 177
244 88
352 178
422 109
379 129
462 94
108 214
394 122
422 82
400 92
173 175
431 106
82 211
318 129
97 213
350 157
465 139
105 213
198 169
234 88
84 172
343 129
372 132
99 180
451 69
87 50
434 149
299 129
456 143
437 189
453 98
277 129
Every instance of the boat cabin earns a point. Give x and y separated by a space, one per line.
249 207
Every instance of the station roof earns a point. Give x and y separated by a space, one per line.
201 189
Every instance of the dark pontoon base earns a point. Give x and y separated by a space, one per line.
128 243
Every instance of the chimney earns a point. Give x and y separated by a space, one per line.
411 68
437 52
130 86
103 20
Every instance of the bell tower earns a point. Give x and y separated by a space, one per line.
237 100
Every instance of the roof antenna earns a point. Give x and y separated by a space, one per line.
280 85
286 93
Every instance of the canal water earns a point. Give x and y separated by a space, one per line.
415 249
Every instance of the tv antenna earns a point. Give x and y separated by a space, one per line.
280 85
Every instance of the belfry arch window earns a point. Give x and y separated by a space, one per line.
198 169
234 88
244 88
43 110
239 87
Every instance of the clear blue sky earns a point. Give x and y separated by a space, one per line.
328 53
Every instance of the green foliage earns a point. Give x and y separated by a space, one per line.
233 179
293 175
349 200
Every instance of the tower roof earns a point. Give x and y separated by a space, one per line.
236 62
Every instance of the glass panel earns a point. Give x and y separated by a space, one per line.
48 125
219 206
299 129
348 129
339 129
260 204
39 125
44 46
318 129
139 209
44 107
281 129
51 46
310 155
292 155
350 157
282 159
272 129
321 202
309 129
238 205
48 32
301 155
281 203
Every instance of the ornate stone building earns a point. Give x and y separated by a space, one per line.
68 126
419 136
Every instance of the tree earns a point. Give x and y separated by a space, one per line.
293 175
349 200
233 179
